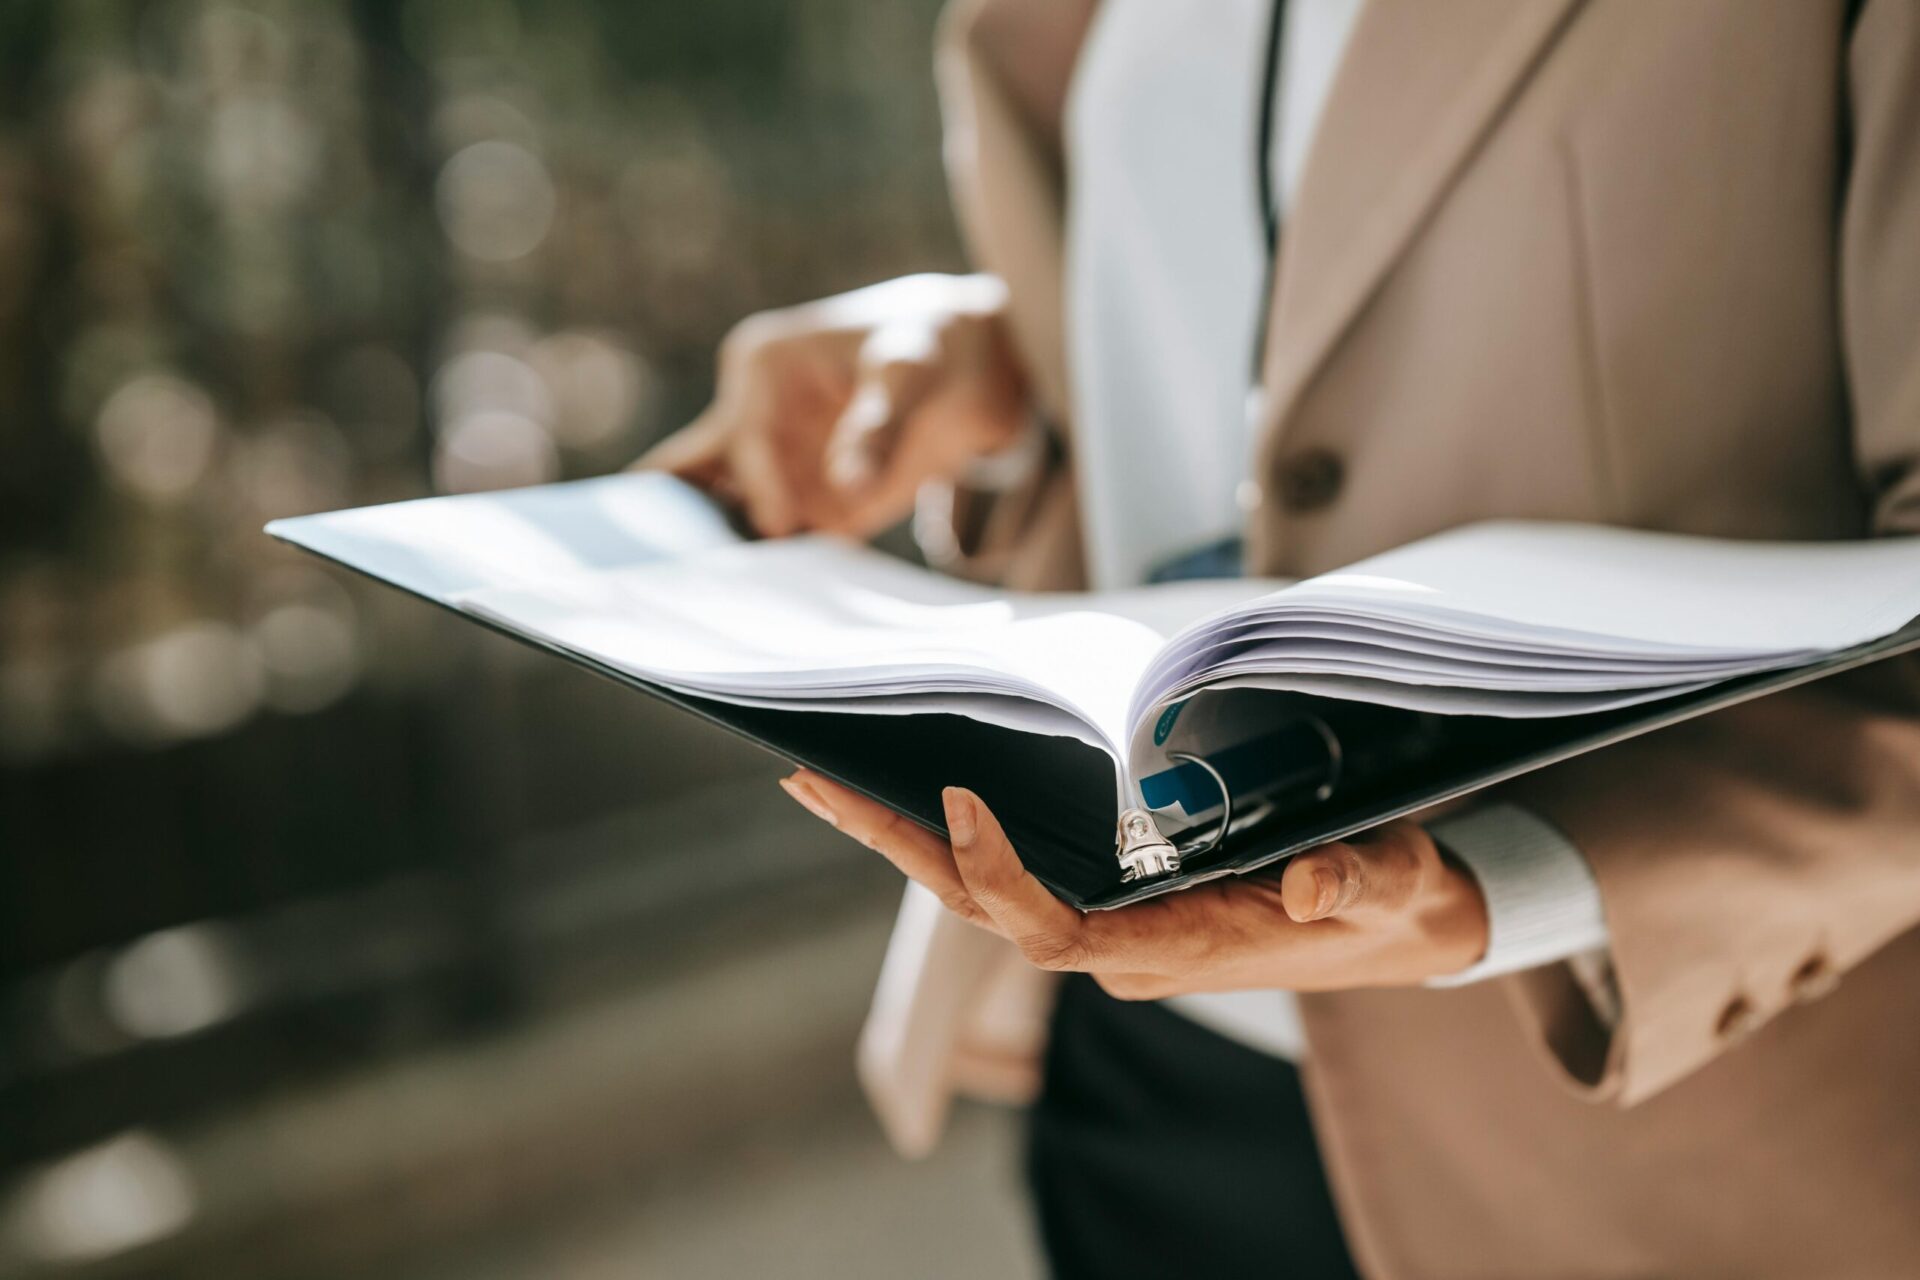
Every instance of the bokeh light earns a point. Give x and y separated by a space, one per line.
261 152
197 679
128 1191
310 653
172 983
483 381
493 449
495 200
598 387
157 434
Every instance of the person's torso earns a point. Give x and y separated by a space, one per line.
1575 261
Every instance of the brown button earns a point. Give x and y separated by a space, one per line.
1310 479
1814 978
1737 1019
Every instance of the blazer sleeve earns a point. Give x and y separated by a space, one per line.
1748 859
1002 68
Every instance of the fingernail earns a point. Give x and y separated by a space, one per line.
1326 892
810 800
961 821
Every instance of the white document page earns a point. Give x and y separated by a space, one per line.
828 624
436 547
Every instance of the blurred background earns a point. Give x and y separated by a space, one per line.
341 938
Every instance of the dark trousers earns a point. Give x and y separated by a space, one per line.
1159 1148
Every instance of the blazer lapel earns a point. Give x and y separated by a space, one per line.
1420 85
1003 68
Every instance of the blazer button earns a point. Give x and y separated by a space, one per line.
1814 978
1737 1019
1310 480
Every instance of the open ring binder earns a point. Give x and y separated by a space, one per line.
1503 660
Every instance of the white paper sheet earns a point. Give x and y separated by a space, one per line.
436 547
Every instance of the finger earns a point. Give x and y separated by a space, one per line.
921 856
697 453
913 456
764 490
866 437
862 437
1347 876
1051 934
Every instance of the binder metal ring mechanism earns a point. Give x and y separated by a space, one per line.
1145 854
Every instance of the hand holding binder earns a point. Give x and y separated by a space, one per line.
1405 913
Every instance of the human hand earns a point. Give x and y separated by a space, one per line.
1383 909
831 414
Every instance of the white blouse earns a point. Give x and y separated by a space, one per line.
1165 265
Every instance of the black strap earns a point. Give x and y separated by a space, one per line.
1263 154
1263 170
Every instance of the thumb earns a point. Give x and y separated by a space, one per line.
1380 869
1322 882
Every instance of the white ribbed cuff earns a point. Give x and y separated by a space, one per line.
1542 903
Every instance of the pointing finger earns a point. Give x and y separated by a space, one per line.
895 371
763 484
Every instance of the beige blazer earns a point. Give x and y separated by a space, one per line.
1651 264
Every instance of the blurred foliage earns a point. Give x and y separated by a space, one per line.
262 257
258 819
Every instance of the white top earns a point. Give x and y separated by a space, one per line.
1165 281
1165 265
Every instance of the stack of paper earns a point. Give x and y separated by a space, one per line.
1520 618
